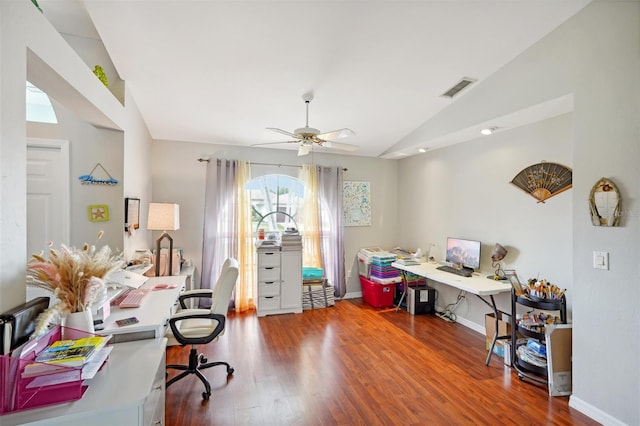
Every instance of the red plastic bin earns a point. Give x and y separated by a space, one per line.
376 294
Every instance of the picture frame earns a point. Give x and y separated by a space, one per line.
131 214
98 213
515 282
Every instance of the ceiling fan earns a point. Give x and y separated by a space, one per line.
307 136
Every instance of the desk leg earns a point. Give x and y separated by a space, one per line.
496 318
404 289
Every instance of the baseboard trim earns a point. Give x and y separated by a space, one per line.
594 412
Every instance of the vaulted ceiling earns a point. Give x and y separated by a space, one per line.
223 71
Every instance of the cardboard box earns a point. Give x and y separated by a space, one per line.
559 341
376 294
504 329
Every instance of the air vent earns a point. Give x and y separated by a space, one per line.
459 87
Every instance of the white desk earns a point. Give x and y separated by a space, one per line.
128 390
477 284
153 314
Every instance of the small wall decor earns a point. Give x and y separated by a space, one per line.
356 203
604 203
98 213
90 179
544 180
131 214
99 72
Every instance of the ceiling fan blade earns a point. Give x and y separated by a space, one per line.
340 146
274 143
336 134
284 132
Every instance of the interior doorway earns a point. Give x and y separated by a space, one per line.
48 200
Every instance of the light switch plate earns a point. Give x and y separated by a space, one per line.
601 260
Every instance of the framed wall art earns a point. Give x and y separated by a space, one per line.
98 213
131 214
356 203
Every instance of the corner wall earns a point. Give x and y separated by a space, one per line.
596 57
464 191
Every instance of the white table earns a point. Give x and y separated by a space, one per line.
477 284
153 314
128 390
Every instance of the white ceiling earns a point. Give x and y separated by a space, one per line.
223 71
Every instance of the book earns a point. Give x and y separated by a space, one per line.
70 357
72 353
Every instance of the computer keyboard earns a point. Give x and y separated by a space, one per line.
130 298
462 272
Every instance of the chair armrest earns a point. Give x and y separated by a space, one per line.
196 314
190 294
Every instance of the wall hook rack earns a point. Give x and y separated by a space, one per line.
91 180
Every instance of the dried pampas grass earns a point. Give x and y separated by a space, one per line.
74 276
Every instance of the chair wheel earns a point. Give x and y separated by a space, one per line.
203 359
230 371
206 395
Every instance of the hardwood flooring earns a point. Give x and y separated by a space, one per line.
351 364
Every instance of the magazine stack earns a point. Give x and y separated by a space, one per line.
291 240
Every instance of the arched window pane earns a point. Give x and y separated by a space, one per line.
274 201
39 107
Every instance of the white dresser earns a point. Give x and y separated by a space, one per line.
279 281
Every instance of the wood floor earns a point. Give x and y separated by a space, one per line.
351 364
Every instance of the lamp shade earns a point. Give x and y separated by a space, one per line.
498 253
163 217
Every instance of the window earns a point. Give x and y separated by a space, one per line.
39 107
274 202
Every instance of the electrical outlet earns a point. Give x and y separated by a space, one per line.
601 260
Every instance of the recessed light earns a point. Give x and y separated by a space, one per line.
422 150
488 130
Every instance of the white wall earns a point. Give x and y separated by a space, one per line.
30 48
596 57
88 146
137 172
464 191
178 177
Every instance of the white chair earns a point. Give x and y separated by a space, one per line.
201 326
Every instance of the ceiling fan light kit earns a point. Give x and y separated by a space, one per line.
306 136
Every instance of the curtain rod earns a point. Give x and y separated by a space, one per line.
206 160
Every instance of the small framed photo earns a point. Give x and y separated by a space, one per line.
131 214
98 213
515 282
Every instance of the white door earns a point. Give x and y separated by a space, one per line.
47 194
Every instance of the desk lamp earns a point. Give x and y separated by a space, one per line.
164 217
497 254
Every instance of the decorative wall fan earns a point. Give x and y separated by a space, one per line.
544 180
307 136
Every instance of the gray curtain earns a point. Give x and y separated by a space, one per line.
332 240
220 223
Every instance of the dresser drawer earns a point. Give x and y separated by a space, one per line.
269 288
269 259
271 273
268 303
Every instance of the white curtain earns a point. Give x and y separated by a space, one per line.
219 228
330 181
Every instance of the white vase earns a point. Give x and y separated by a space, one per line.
77 324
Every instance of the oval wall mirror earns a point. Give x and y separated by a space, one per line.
604 203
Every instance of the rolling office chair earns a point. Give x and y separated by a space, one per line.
201 326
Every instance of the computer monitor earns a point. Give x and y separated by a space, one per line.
463 252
